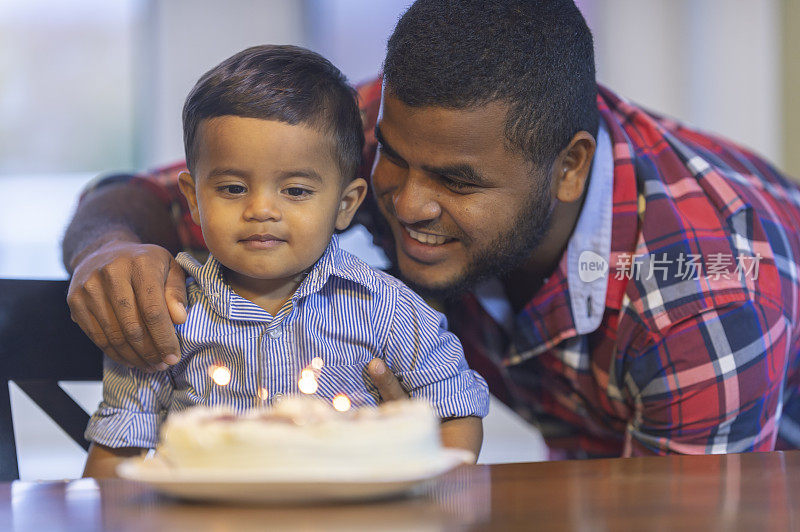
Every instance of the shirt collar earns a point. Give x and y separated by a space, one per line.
548 318
228 304
210 280
589 247
568 303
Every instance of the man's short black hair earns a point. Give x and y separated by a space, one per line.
284 83
535 55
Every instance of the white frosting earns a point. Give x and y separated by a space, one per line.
303 435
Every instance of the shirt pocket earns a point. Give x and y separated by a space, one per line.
350 380
335 347
194 378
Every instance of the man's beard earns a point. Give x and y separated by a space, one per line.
505 253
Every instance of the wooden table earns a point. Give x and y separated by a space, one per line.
759 491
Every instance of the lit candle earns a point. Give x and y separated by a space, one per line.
263 394
308 381
307 386
220 375
341 402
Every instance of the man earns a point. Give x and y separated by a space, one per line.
627 283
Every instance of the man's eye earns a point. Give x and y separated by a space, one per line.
458 186
391 157
297 192
233 189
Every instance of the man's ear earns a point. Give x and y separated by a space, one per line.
352 196
187 187
572 167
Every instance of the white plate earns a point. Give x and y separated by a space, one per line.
249 487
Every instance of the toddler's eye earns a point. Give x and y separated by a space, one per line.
233 189
297 192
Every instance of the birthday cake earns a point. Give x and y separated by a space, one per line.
302 436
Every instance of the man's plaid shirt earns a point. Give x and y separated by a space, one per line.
697 350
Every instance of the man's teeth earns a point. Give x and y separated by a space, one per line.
426 238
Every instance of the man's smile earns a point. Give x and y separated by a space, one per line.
427 238
427 248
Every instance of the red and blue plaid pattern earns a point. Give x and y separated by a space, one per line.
680 363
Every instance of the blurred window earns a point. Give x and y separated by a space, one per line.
66 91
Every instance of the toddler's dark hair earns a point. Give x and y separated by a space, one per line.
285 83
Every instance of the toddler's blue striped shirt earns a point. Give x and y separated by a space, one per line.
344 312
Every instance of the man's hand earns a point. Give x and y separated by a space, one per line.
385 381
460 433
126 297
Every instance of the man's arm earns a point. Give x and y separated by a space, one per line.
126 291
122 208
102 461
711 384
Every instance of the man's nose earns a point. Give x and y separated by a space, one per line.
416 200
262 208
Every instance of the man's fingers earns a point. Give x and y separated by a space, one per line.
152 305
92 329
175 292
122 302
107 321
385 381
121 286
88 324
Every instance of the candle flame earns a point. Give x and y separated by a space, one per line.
308 382
308 385
220 375
341 402
308 378
317 363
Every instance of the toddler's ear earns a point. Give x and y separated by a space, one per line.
352 196
187 187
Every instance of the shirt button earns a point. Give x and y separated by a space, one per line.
275 333
277 398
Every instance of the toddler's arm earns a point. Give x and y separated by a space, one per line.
428 361
463 433
102 461
126 422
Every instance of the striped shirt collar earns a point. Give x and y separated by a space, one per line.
228 304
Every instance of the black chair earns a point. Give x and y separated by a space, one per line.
39 346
